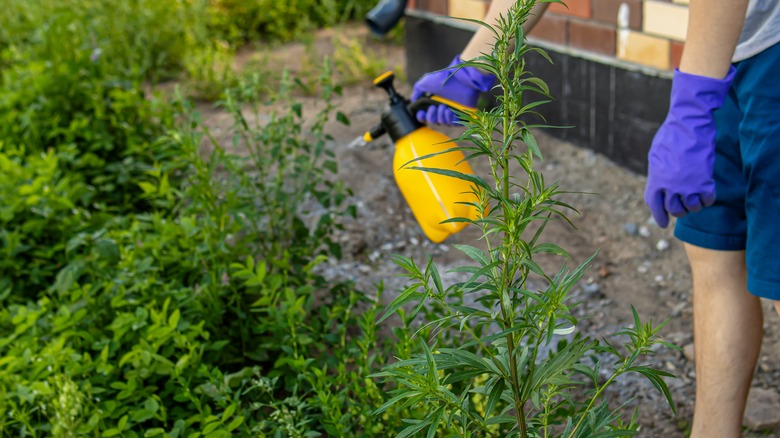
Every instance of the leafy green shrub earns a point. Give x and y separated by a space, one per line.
145 289
353 62
205 312
493 357
248 20
132 40
66 125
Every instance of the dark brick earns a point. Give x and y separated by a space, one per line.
641 96
434 6
632 142
552 28
593 37
576 8
607 11
440 43
602 108
576 78
676 53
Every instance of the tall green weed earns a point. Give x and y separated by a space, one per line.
498 355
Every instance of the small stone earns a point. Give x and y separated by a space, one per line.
591 288
386 247
689 353
763 409
670 366
678 308
658 278
643 269
590 157
678 337
414 241
444 248
364 269
631 229
662 245
644 231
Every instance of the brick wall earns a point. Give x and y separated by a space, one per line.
644 32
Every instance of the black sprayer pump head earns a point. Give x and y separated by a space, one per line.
397 120
385 16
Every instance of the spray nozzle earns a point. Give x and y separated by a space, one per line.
385 15
399 119
385 82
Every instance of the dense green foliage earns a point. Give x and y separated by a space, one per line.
281 20
152 284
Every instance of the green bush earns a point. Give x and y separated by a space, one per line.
195 315
145 289
140 39
248 20
148 288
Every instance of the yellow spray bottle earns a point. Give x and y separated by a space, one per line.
433 198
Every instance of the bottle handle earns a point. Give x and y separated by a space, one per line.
429 99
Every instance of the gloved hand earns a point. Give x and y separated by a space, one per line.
682 156
462 86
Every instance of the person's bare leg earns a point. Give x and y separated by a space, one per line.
728 329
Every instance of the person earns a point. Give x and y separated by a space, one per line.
712 164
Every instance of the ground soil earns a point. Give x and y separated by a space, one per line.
638 264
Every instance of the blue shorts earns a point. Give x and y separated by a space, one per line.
746 213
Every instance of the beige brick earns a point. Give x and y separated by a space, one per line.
643 49
681 2
665 19
474 9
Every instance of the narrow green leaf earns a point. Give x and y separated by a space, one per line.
408 295
530 140
655 377
473 253
467 358
550 248
435 420
476 180
414 428
435 276
534 267
495 396
395 400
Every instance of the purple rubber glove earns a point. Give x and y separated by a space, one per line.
463 86
682 156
